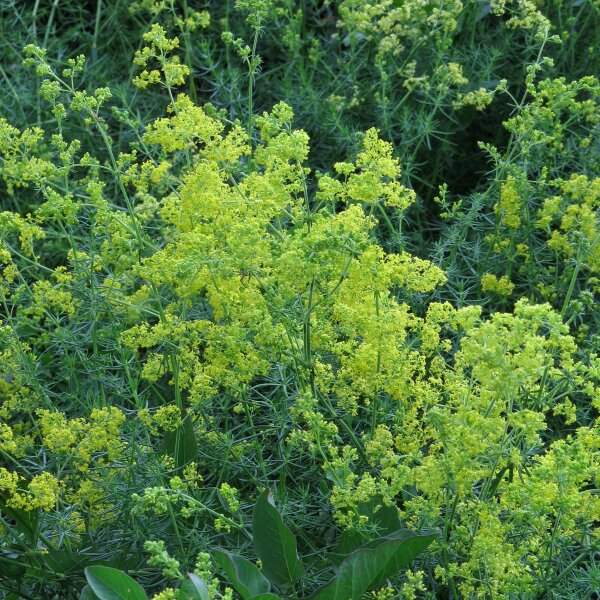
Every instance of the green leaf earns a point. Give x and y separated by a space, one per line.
350 541
64 561
268 596
245 577
372 564
275 544
181 443
26 521
193 588
111 584
384 517
387 520
87 594
11 567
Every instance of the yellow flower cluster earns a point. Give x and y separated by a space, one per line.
571 220
546 227
165 418
510 205
40 493
467 453
228 243
95 438
20 166
396 25
502 286
226 268
187 21
172 72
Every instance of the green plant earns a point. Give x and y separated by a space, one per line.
362 567
202 300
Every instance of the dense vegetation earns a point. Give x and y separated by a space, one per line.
299 299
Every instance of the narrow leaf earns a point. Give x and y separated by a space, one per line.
111 584
244 576
275 544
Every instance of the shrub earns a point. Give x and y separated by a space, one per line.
208 312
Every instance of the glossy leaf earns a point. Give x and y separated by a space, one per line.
111 584
87 594
10 566
26 521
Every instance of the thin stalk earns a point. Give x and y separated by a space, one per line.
97 28
251 74
375 405
49 24
565 306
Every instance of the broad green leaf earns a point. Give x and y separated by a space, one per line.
181 443
64 561
193 588
350 541
275 544
56 563
485 10
87 594
372 564
244 576
111 584
25 521
384 517
387 520
10 566
268 596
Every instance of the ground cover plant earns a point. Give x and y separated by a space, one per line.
299 299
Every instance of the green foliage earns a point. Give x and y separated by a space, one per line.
112 584
365 567
274 544
348 252
245 576
373 564
193 588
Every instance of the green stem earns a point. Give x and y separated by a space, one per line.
565 306
251 74
375 405
49 24
97 28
